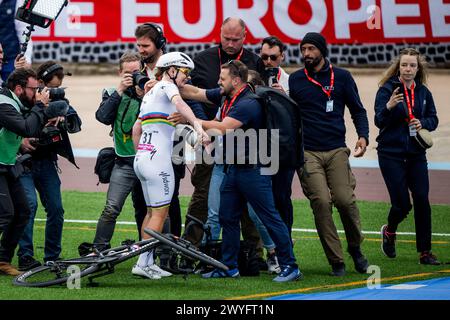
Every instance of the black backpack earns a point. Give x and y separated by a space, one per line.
248 262
105 162
282 113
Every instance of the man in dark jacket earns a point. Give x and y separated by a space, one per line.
21 92
243 113
206 75
322 91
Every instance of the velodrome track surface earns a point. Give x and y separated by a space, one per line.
84 92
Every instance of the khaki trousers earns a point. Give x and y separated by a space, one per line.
327 179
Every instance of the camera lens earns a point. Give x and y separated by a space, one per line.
56 94
139 79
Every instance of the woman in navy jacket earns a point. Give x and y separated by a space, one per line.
404 106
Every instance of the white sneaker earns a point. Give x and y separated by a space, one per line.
145 272
158 270
272 264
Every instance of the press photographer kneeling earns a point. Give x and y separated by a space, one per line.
19 95
41 172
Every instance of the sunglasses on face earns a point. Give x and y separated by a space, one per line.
186 71
266 57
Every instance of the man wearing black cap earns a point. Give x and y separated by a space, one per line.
322 91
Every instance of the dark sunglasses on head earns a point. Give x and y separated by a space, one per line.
266 57
236 67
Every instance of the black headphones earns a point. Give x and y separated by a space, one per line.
46 75
50 70
160 40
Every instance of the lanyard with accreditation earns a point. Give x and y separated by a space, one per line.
228 104
409 101
410 105
329 107
220 58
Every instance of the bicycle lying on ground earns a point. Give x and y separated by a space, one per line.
100 263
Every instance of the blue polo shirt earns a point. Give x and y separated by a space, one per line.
247 110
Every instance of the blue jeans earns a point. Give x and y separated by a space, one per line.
235 193
43 178
213 210
214 202
265 237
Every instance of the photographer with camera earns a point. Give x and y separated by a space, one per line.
20 95
41 172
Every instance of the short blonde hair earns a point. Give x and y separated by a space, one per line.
129 56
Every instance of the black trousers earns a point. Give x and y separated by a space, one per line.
198 206
282 191
174 209
14 215
402 175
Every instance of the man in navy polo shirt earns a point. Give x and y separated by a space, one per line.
243 181
322 91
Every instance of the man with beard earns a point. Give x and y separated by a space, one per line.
322 91
20 93
242 116
150 42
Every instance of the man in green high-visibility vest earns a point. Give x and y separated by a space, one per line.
21 93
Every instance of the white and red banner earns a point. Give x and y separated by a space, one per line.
340 21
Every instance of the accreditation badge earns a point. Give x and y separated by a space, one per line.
330 106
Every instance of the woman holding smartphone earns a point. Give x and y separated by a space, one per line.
403 107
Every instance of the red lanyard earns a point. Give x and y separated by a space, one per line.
327 92
227 106
220 57
409 101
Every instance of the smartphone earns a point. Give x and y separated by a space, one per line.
272 74
398 84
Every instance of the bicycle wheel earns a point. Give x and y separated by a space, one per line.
59 272
186 248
